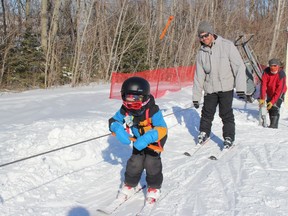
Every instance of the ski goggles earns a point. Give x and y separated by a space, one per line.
134 102
133 98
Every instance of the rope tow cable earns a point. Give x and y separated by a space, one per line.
53 150
74 144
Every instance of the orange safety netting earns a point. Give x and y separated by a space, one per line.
161 80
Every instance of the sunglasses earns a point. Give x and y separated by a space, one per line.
204 36
273 65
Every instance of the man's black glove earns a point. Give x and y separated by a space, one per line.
196 104
241 95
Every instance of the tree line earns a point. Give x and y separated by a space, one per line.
55 42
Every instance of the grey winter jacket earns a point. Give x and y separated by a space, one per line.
219 68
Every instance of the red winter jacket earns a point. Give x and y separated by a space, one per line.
274 85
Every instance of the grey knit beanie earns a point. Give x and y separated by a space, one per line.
205 27
274 62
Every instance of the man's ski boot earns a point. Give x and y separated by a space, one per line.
274 119
227 142
202 137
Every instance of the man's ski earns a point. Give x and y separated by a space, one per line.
197 148
221 153
114 205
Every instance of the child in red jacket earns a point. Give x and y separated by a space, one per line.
273 88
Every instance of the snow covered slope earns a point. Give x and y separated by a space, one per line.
251 179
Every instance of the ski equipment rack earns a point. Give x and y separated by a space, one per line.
253 68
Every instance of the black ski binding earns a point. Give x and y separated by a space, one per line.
212 157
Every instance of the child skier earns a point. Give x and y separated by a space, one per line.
144 119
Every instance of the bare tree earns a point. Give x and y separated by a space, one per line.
4 18
44 24
28 17
80 42
91 39
278 20
50 68
113 55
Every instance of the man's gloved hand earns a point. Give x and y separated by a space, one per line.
121 133
143 141
196 104
261 102
241 95
269 105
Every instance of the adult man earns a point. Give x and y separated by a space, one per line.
219 68
274 86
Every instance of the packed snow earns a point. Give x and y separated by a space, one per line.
57 158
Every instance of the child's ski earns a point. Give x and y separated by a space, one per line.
151 204
147 208
114 205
